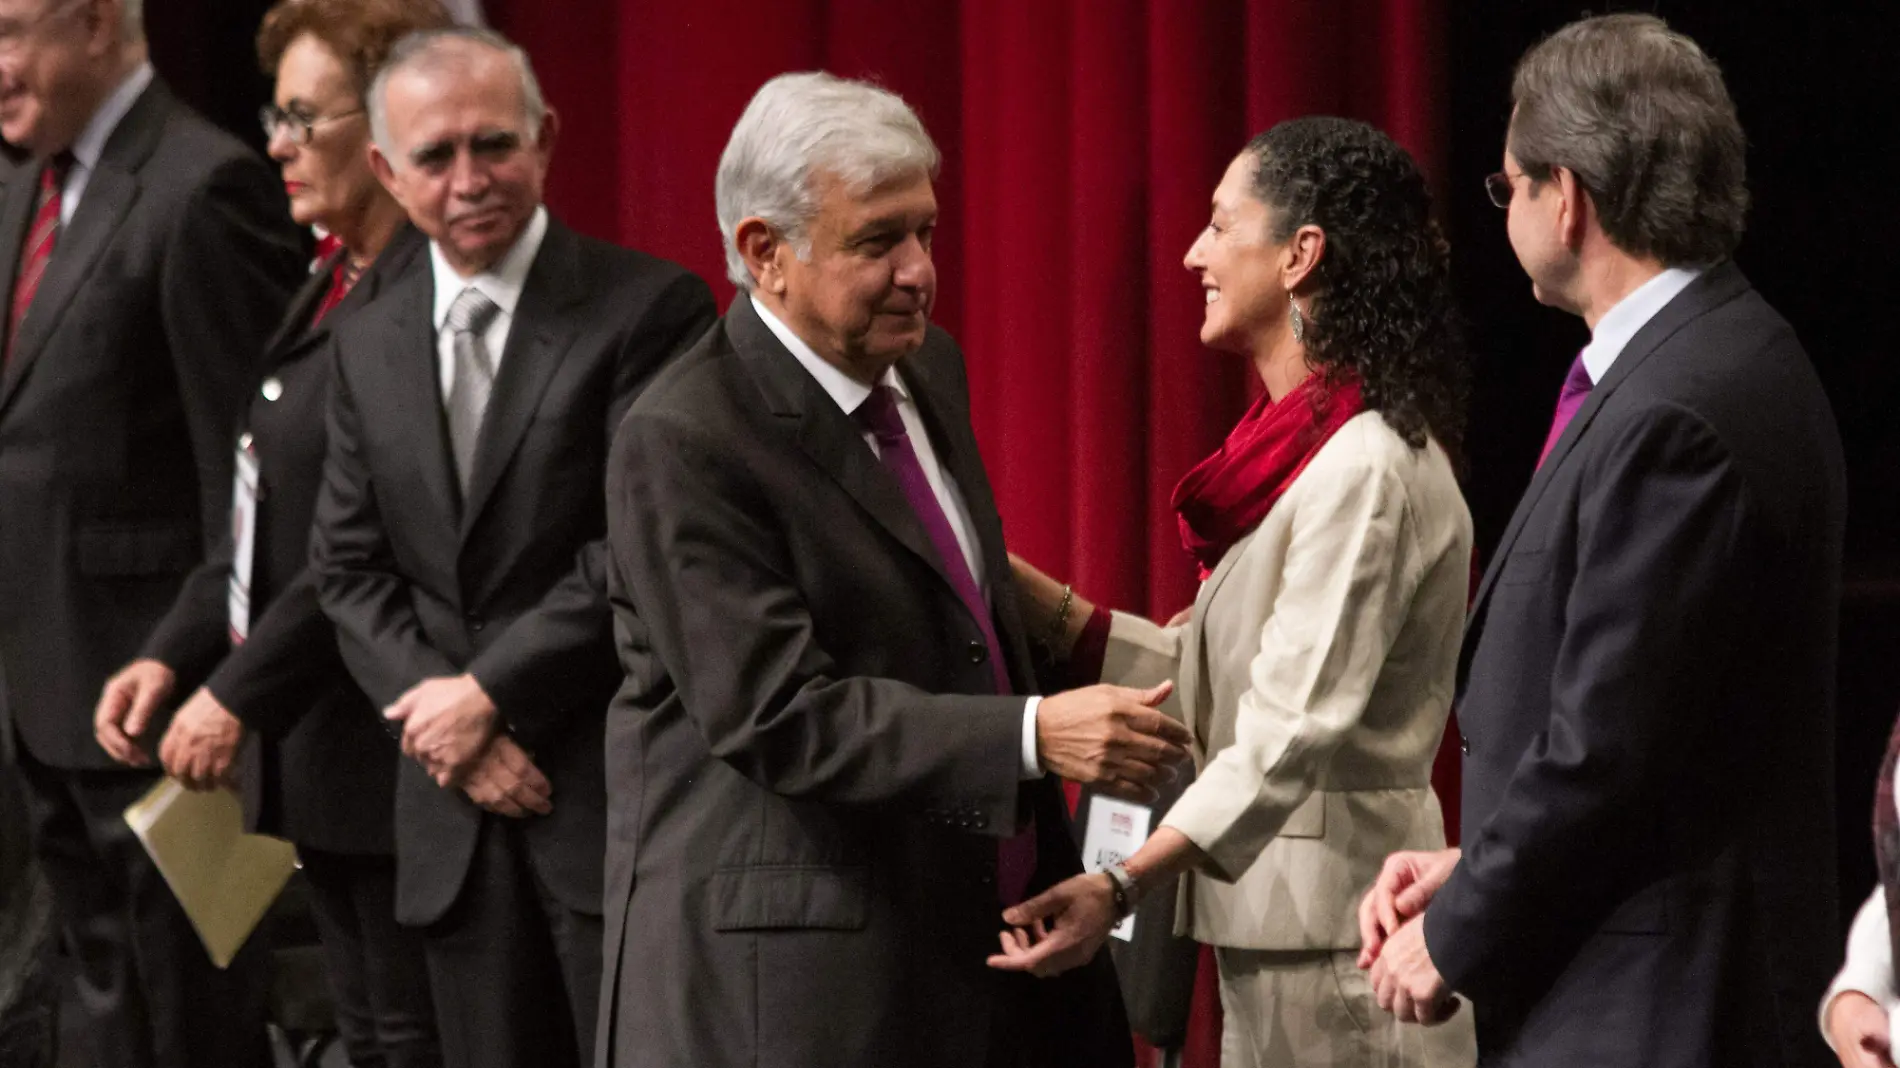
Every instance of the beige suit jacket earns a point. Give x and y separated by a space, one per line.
1316 674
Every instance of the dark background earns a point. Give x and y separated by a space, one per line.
1816 86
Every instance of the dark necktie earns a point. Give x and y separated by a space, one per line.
1577 386
1016 856
37 250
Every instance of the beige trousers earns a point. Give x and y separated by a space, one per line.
1315 1009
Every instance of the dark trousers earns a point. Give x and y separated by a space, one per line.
378 971
149 993
516 973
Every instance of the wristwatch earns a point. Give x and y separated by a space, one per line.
1122 885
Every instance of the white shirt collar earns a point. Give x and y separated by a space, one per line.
1632 313
91 142
848 392
501 283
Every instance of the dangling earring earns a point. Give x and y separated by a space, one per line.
1298 319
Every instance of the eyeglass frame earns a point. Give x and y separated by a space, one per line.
300 129
1509 188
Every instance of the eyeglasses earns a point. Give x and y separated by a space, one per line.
299 128
1500 186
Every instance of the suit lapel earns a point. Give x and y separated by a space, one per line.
111 191
537 341
1718 286
827 434
1193 673
407 349
955 445
294 335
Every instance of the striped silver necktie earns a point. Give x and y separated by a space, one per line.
468 322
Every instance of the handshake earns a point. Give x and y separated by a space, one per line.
1112 738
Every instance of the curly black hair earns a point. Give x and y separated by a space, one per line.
1384 310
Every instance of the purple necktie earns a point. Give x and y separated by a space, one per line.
1016 856
1577 386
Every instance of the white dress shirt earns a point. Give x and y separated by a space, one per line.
1869 966
91 142
1631 314
849 393
501 283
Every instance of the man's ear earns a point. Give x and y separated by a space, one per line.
1574 215
380 166
760 245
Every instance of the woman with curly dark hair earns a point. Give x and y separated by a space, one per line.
1316 667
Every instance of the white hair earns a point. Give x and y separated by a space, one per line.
796 127
436 48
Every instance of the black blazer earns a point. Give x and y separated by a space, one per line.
117 409
508 585
809 766
324 773
1647 699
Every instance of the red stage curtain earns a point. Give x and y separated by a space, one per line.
1081 142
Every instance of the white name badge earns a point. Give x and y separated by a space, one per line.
243 539
1116 829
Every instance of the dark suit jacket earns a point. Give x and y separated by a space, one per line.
510 584
1648 707
117 408
810 770
322 768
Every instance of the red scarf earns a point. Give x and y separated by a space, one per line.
1227 495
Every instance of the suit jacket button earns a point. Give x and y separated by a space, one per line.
982 822
1464 744
272 388
475 622
979 652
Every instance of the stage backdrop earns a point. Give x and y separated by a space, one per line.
1081 142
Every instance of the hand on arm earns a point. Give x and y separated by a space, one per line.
1406 982
506 782
1065 926
201 745
446 725
126 707
1404 888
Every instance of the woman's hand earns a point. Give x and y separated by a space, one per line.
1059 929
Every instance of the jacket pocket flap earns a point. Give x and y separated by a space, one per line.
790 896
154 548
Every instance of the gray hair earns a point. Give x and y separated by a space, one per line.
797 127
437 48
132 21
1639 113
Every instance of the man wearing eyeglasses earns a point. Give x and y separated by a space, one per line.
1646 691
145 257
460 540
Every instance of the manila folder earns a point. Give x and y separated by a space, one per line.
225 879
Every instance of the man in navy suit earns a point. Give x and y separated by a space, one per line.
1647 689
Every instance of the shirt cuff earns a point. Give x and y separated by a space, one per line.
1032 765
